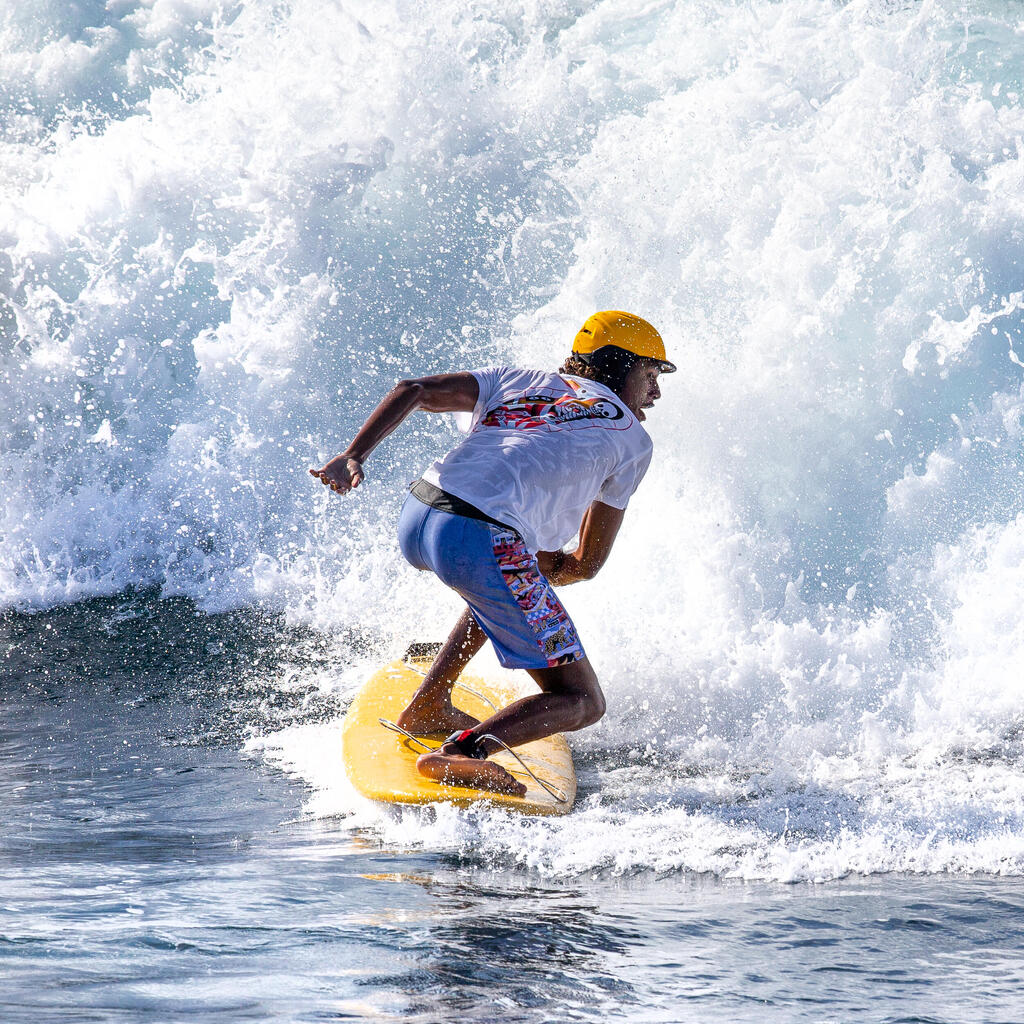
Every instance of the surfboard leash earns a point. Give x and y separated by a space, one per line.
469 689
552 791
462 686
394 727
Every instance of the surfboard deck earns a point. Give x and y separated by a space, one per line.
381 764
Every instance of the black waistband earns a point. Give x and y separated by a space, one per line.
445 502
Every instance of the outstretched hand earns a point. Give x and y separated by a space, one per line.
341 474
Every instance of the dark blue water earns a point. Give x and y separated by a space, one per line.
151 871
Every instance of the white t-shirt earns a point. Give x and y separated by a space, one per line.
541 448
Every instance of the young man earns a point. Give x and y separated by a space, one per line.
548 455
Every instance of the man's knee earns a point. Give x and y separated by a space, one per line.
598 707
590 709
577 683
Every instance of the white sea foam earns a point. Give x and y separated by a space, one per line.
227 228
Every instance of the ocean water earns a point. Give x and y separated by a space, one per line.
227 228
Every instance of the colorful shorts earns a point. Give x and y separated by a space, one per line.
499 579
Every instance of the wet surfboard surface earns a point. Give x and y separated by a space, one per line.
381 763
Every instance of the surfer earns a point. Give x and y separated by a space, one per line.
548 456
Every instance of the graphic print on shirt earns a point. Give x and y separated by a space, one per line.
551 412
552 627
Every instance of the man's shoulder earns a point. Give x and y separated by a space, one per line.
516 376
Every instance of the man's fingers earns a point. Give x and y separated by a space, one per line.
355 478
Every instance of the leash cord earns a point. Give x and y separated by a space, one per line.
469 689
552 791
408 735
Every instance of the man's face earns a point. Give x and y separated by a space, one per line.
641 389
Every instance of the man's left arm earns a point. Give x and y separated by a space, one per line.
598 530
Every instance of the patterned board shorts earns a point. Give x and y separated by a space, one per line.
499 579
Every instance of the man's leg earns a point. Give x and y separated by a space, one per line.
430 710
571 699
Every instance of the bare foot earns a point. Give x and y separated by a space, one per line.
436 719
458 770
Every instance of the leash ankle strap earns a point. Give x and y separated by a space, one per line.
467 744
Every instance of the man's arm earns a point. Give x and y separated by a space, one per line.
597 535
446 392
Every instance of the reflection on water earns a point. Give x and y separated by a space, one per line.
150 872
551 951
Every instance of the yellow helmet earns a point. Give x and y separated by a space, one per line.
625 331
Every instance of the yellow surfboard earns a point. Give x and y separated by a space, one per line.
381 763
